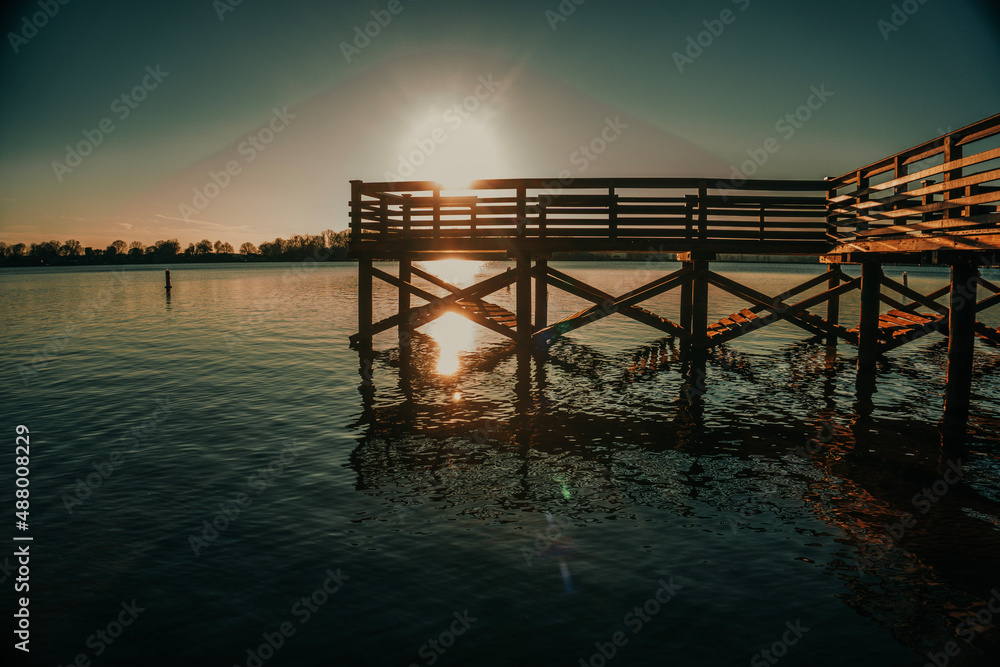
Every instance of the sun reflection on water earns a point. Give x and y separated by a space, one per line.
453 333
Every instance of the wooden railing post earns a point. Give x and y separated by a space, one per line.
383 216
832 234
926 199
702 210
898 170
356 210
860 197
436 195
472 216
690 204
952 151
522 211
406 213
612 211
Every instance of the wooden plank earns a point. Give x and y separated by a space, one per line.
987 220
944 186
911 318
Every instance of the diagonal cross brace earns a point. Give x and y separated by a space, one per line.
579 288
433 301
437 306
594 313
779 309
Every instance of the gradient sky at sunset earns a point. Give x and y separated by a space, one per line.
262 96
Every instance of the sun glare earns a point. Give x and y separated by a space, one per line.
453 154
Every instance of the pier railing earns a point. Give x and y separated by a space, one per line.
786 216
948 185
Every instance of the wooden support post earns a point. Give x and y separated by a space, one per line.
833 305
403 328
365 303
961 342
686 292
871 288
168 280
541 295
699 307
523 270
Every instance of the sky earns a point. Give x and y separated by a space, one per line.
245 120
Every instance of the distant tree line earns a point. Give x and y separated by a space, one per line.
326 246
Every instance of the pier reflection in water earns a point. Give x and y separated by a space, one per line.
750 458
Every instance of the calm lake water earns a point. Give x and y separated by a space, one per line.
483 509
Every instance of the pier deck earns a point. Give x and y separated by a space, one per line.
936 203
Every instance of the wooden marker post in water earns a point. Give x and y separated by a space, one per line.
168 280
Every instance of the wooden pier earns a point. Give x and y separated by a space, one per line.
934 204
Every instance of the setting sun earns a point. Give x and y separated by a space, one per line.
453 148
